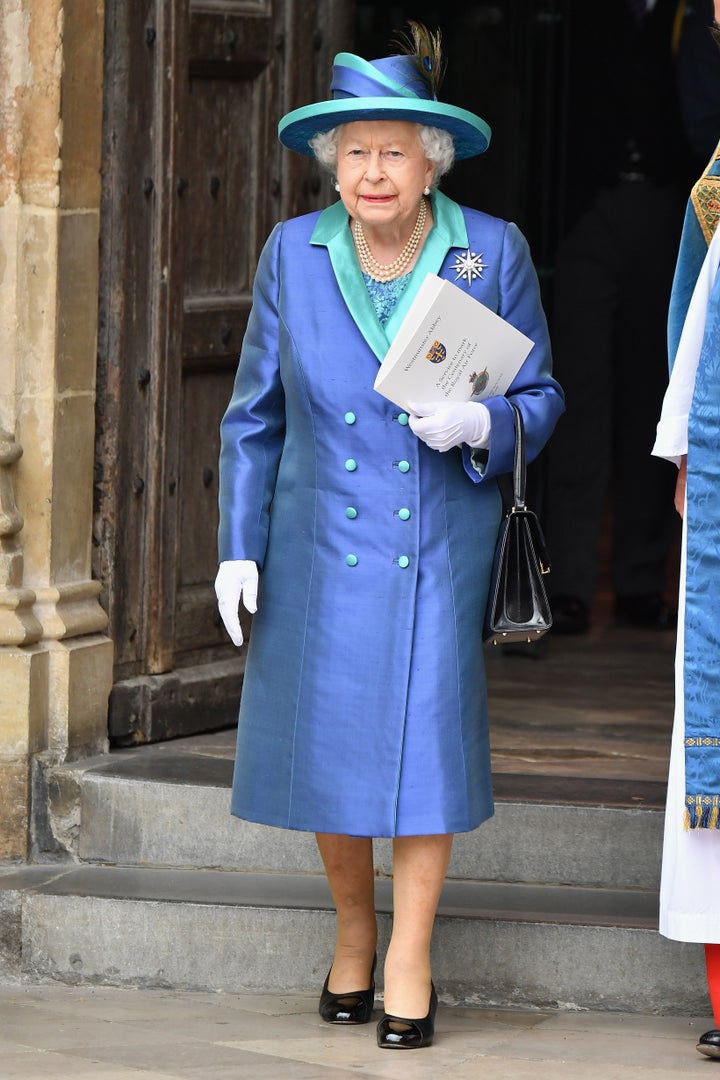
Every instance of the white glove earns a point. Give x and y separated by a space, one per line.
236 578
451 423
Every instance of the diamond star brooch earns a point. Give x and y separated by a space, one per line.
468 265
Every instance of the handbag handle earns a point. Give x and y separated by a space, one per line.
519 460
519 504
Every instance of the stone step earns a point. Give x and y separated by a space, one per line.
159 807
498 944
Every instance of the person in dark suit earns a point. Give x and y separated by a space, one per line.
629 167
698 75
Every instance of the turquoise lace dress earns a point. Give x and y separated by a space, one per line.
385 294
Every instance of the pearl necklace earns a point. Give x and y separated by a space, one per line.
387 271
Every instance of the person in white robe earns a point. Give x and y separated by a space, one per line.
690 880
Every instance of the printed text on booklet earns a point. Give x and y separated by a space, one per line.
450 347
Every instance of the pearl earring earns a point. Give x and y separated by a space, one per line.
426 190
336 186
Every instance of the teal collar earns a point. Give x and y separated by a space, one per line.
331 231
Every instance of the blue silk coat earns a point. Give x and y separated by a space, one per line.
363 708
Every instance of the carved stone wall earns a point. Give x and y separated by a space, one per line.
55 660
18 625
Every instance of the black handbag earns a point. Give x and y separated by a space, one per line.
518 608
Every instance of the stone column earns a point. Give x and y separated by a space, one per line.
55 660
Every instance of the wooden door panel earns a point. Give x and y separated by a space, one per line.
224 194
205 395
213 328
194 181
138 231
221 199
233 89
232 37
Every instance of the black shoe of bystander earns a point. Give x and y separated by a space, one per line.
645 612
570 615
709 1043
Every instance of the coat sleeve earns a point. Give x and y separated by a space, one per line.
534 390
252 430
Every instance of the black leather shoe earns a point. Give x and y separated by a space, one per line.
709 1043
570 615
353 1008
645 612
397 1033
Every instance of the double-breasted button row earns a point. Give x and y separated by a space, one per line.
402 561
402 418
403 513
403 466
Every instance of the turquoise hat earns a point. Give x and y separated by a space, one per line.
392 88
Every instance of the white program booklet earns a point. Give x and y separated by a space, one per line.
450 347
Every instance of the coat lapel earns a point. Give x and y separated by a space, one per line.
331 231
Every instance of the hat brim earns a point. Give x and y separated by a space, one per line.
471 135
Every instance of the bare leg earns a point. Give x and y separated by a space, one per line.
420 865
348 862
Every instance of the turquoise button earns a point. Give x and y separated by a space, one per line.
403 418
351 465
350 417
351 512
351 560
404 514
403 561
404 466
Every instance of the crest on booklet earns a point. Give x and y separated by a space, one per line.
437 353
479 381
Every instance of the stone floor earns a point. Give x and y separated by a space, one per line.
596 707
51 1032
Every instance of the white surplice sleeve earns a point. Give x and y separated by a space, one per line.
671 441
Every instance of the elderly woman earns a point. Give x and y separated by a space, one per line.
363 709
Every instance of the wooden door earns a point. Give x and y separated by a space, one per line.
194 179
